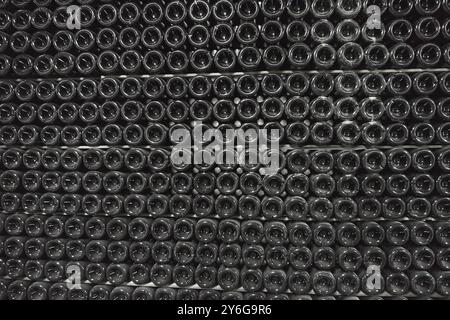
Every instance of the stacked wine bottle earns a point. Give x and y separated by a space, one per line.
93 205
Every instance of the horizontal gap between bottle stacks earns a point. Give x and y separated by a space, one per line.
216 217
234 74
